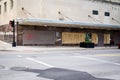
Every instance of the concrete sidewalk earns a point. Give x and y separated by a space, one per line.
8 47
4 45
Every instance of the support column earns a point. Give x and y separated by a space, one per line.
100 39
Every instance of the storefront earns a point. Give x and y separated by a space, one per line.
58 33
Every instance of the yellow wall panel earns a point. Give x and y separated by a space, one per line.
95 38
72 38
106 38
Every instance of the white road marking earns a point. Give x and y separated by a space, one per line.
118 64
19 56
6 68
109 55
40 62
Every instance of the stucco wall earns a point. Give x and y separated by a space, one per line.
30 8
78 10
9 14
70 10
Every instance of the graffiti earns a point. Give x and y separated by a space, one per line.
29 36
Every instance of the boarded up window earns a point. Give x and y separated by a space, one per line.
106 38
94 38
72 38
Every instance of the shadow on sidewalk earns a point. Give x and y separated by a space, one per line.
60 74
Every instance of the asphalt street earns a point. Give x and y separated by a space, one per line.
69 64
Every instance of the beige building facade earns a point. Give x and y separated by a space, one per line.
73 10
61 22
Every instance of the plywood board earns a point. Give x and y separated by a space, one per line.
72 38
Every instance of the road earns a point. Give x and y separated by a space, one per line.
69 64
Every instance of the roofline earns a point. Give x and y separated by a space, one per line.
71 24
110 2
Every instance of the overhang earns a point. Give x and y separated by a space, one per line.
70 24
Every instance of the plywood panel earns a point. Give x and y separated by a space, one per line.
95 38
106 38
72 38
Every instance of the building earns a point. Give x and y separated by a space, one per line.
61 22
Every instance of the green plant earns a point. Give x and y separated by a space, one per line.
87 38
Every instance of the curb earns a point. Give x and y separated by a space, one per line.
31 48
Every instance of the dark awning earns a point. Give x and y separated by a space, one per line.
71 24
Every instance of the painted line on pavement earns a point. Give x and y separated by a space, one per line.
40 62
19 56
116 55
118 64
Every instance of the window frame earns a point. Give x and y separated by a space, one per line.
95 12
107 14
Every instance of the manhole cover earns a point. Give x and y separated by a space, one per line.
2 67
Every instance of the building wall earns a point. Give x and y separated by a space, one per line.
27 35
38 37
10 13
70 10
30 8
